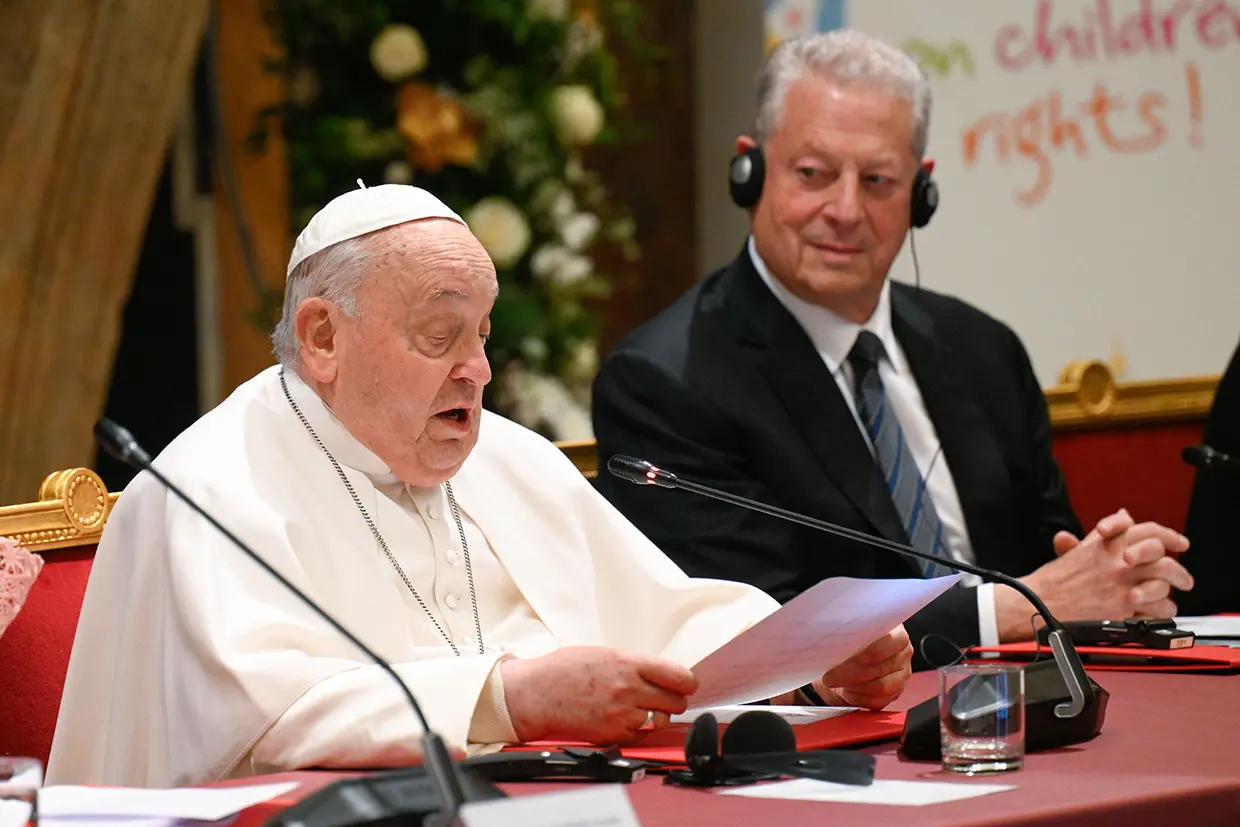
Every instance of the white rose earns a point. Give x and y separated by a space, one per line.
548 259
398 52
398 172
583 361
533 349
501 228
551 9
576 114
574 269
556 406
579 229
571 422
563 205
582 39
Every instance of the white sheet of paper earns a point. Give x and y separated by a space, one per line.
73 802
604 805
898 793
795 715
815 631
1224 627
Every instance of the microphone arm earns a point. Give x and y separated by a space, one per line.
1066 657
121 444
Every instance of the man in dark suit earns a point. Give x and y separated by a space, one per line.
799 375
1211 512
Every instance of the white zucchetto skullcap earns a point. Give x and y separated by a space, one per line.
363 211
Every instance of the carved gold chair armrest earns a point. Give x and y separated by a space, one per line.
72 508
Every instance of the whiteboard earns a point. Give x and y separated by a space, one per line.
1088 155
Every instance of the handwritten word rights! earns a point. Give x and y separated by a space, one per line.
1105 121
1115 30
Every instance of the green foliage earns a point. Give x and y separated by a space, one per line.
498 69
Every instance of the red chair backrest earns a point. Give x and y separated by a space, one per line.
62 527
1137 468
34 653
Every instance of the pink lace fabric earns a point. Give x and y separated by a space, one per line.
18 570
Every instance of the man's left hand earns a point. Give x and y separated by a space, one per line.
872 678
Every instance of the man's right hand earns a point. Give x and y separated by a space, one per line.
592 693
1121 569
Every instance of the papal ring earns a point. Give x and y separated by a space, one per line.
649 720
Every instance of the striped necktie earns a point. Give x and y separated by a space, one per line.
904 482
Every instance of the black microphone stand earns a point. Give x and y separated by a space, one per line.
437 761
1080 688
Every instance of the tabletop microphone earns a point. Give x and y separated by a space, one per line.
1082 692
1209 459
370 799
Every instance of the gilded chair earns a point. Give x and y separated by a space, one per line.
63 527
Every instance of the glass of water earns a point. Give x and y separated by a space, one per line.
20 780
982 717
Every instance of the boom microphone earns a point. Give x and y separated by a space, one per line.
1080 688
406 795
1209 459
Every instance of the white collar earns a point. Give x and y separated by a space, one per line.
345 447
833 336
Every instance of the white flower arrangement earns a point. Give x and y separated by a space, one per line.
492 105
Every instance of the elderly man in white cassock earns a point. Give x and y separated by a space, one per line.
513 600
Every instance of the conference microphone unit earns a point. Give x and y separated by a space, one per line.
1064 707
432 794
1208 459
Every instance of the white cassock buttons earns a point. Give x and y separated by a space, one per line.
432 512
453 556
452 600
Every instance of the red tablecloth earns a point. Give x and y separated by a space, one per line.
1169 754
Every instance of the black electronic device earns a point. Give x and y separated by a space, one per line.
399 798
760 746
564 763
1146 634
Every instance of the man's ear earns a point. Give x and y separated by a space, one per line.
743 143
315 325
928 165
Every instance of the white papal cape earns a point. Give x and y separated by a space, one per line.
191 664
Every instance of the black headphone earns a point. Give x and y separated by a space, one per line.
747 170
759 745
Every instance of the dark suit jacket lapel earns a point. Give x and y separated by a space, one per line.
808 392
969 445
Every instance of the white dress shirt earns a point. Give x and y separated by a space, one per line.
833 337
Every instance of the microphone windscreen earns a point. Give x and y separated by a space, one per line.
756 732
629 468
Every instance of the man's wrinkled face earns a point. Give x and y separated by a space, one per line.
406 373
836 194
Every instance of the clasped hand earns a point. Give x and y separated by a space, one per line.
1121 569
606 696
